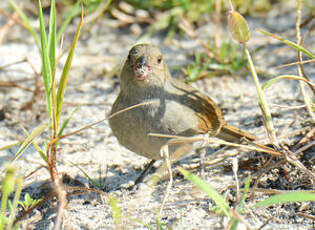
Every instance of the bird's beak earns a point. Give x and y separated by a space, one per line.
143 61
142 68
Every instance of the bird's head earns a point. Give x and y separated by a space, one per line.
144 66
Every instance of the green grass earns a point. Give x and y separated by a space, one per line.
54 101
11 183
224 209
228 61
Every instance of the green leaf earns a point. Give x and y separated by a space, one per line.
159 225
65 72
65 123
52 35
8 182
27 199
116 211
38 149
28 202
19 183
46 68
75 11
26 22
238 27
28 140
242 203
240 209
10 205
3 221
285 198
97 185
289 43
10 145
212 193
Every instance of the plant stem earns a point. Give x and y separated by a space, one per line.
263 102
306 98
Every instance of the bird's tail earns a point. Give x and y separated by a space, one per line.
232 134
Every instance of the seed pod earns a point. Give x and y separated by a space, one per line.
238 27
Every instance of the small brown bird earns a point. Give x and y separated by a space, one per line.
176 108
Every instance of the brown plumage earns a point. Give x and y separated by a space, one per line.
176 108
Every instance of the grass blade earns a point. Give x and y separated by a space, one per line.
35 133
75 11
116 211
26 22
212 193
38 149
286 197
8 183
66 69
52 35
242 203
13 212
10 145
46 68
240 209
87 176
65 123
289 43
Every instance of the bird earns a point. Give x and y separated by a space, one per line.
168 106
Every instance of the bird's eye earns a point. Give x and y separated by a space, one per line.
132 53
159 59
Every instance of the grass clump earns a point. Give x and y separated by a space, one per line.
47 46
11 184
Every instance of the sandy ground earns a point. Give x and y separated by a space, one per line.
97 152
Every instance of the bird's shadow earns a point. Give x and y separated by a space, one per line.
115 179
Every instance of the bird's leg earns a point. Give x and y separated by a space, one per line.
167 162
202 152
143 173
